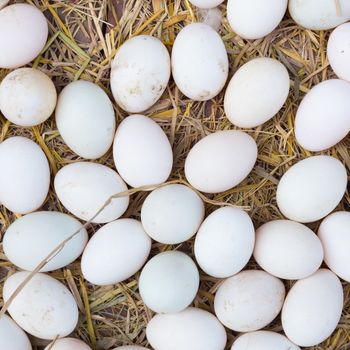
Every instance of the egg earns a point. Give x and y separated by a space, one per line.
190 329
68 344
142 152
85 187
130 347
27 97
31 238
311 188
169 282
140 73
199 62
216 163
3 3
18 193
19 45
287 249
254 19
172 214
11 335
313 308
85 119
212 17
319 14
334 235
206 4
44 308
263 80
115 252
249 300
338 51
314 130
224 242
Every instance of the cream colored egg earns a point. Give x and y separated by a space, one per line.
249 300
262 80
24 175
311 188
206 4
217 162
85 187
68 344
3 3
313 308
199 62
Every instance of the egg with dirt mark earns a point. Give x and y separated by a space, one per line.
68 344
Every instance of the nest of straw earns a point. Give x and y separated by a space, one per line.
84 37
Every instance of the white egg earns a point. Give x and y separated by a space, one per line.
199 62
206 4
319 14
287 249
142 152
85 119
84 188
11 335
254 19
172 214
23 34
31 238
130 347
311 188
217 163
24 175
140 73
313 308
169 282
334 235
262 80
3 3
190 329
212 17
249 300
314 130
68 344
115 252
44 308
224 242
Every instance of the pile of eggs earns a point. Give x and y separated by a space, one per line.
246 301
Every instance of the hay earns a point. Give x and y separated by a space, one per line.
84 37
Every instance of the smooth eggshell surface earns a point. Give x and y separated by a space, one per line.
216 163
206 4
263 80
68 344
190 329
199 62
84 188
20 156
249 300
115 252
224 242
130 347
312 308
311 188
44 308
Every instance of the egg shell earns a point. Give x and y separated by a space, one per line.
84 188
31 238
224 242
68 344
12 336
199 62
249 300
254 19
19 45
262 80
169 282
312 308
140 73
115 252
319 14
206 4
190 329
334 235
172 214
85 119
3 3
287 249
142 152
314 130
311 188
44 307
18 193
212 17
130 347
216 163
